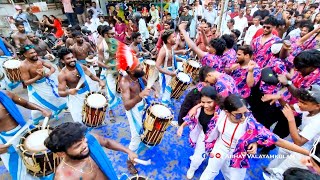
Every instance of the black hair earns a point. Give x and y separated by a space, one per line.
135 35
308 25
209 25
205 71
219 45
18 23
299 174
210 92
246 50
271 20
233 102
236 32
105 30
64 136
76 33
203 21
281 22
308 58
99 28
63 51
165 35
232 21
304 95
76 27
229 40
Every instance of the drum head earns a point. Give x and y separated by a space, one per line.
160 111
12 64
35 141
194 63
183 77
96 100
150 62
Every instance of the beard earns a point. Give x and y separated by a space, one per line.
35 41
71 64
34 58
78 157
81 41
138 74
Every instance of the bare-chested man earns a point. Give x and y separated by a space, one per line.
11 120
42 83
106 53
69 78
137 47
166 64
20 38
4 48
39 45
81 49
133 92
83 154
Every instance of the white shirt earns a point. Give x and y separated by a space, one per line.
92 26
295 32
250 33
254 9
240 23
224 26
210 16
143 29
225 135
309 127
102 24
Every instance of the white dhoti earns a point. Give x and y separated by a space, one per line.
290 159
12 160
44 93
75 104
135 122
113 98
94 85
223 163
165 88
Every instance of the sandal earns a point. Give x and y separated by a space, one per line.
131 168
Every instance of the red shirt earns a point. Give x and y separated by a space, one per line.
260 32
234 14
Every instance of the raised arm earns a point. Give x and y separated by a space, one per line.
191 44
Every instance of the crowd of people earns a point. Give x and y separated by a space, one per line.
258 86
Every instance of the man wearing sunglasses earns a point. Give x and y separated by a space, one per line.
41 81
262 44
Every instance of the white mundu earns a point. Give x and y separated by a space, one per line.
160 111
35 141
96 100
183 77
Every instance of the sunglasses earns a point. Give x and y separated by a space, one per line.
239 116
266 27
28 47
313 151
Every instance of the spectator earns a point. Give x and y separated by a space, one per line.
252 30
185 16
57 25
235 12
254 7
102 21
79 9
248 16
200 41
32 19
277 12
230 26
210 14
174 11
262 12
241 22
68 11
21 17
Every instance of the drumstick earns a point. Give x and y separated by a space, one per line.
152 76
45 122
146 163
18 133
81 81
